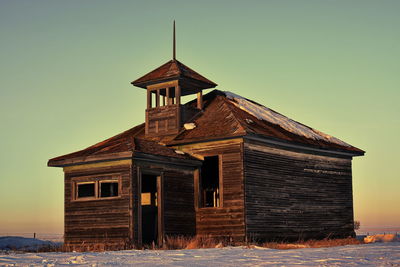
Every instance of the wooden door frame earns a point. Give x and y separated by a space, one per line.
160 205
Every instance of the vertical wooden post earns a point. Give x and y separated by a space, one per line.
160 221
197 201
168 100
148 99
178 94
139 208
158 98
221 180
178 103
200 100
157 105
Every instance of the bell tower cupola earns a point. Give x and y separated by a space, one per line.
165 86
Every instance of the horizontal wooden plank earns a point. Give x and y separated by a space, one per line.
289 194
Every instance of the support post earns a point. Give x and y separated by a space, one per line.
178 94
158 98
168 99
200 100
178 103
148 99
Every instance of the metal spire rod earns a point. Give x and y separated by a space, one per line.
174 47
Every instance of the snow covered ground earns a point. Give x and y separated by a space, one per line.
377 254
24 244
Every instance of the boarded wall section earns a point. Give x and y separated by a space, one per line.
179 213
292 195
100 222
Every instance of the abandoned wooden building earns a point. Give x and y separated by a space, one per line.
220 165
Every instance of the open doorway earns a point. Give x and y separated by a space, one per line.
151 212
210 183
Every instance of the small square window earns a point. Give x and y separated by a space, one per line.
86 190
108 189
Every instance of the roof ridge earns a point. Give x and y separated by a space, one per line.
192 70
151 71
244 128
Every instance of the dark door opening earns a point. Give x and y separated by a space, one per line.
149 203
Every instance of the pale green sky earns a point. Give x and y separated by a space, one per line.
66 68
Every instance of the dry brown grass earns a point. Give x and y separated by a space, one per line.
184 242
313 243
188 242
93 247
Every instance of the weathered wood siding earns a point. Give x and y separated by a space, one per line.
101 221
291 195
163 120
179 213
226 221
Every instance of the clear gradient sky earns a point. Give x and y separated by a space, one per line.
66 68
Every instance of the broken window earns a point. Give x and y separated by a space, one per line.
108 189
210 182
86 190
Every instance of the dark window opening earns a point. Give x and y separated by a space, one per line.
109 189
86 190
210 182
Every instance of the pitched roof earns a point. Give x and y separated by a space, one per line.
228 115
129 141
224 115
173 69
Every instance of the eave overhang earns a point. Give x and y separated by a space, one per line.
123 156
90 159
276 142
303 147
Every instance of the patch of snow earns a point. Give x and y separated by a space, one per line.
179 152
376 254
189 126
266 114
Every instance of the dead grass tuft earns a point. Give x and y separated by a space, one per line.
312 243
94 247
204 242
184 242
177 242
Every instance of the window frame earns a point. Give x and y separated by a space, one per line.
220 184
96 180
109 181
77 184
